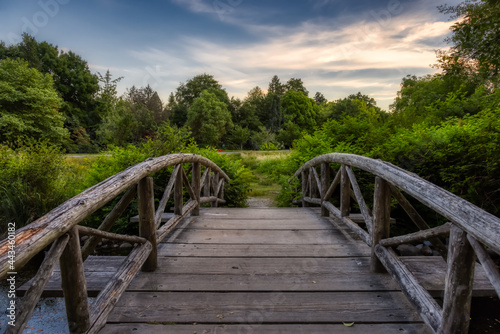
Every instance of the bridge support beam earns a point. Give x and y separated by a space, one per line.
74 285
305 187
345 192
458 287
381 220
147 226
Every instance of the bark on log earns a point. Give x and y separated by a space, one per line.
360 200
34 237
488 264
426 305
216 190
166 195
108 235
110 220
109 296
482 225
74 285
305 187
195 180
172 222
349 222
417 236
147 225
381 220
345 192
325 181
458 287
417 219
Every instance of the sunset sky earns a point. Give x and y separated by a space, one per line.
336 47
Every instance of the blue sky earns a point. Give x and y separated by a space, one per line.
335 47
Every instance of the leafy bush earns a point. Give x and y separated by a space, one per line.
34 178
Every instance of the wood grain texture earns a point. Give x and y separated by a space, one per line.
246 327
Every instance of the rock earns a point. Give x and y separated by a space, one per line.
125 245
436 253
84 238
426 250
427 243
419 246
105 241
408 250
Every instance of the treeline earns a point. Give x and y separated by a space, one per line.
51 94
443 127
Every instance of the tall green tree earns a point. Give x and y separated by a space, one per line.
209 119
297 85
475 40
187 92
300 110
29 104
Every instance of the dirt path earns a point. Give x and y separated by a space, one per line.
260 202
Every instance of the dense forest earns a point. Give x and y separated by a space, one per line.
444 127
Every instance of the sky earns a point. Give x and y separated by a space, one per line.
336 47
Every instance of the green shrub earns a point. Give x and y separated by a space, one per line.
34 178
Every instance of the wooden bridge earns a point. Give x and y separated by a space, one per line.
315 269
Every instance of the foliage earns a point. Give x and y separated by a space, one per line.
28 105
300 110
209 119
475 37
34 178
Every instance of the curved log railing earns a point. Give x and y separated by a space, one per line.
60 228
470 229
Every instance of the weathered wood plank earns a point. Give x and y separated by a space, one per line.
232 250
278 307
429 271
260 213
263 237
345 192
251 327
175 220
195 180
325 182
274 224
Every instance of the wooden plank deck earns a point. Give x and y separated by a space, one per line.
263 270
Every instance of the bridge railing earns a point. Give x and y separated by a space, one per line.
60 228
470 230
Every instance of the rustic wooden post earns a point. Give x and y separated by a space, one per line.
178 194
74 285
325 183
458 287
381 220
147 226
305 187
215 184
196 176
345 193
208 184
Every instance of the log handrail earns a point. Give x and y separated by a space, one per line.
61 224
469 228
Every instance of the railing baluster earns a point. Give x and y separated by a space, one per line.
178 194
381 220
305 187
345 193
325 182
147 226
74 285
195 180
458 287
215 181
